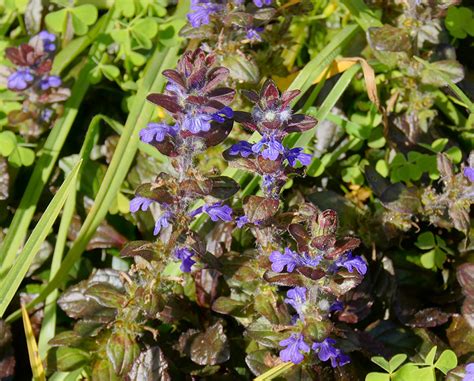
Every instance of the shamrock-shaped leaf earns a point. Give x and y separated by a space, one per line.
81 18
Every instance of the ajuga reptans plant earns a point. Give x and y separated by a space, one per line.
283 292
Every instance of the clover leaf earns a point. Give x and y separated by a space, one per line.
81 17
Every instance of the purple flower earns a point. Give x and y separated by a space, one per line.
241 221
272 148
469 173
291 259
139 202
196 123
48 41
46 115
156 132
185 255
162 222
241 148
336 306
294 346
50 81
296 297
222 114
260 3
326 351
469 376
202 10
296 154
351 262
218 212
253 33
20 79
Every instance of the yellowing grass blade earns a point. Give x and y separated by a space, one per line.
33 354
275 371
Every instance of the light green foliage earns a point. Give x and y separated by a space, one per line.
425 371
436 253
81 17
460 22
11 147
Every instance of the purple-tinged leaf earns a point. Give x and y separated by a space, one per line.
258 208
168 102
300 123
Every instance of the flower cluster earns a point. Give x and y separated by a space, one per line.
296 346
201 118
273 119
31 78
320 255
247 19
469 372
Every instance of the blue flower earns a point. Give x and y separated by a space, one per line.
469 376
272 148
185 255
351 262
20 80
241 148
260 3
162 222
222 114
215 211
202 10
469 173
218 212
291 259
336 306
296 154
46 115
196 123
50 81
296 297
139 202
253 34
326 351
241 221
156 132
294 346
48 41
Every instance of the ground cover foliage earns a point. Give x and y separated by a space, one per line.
236 190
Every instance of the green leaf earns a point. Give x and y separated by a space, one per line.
15 275
430 357
382 168
460 22
428 259
376 376
68 359
110 71
79 26
381 362
455 154
396 361
447 361
55 20
87 13
7 143
425 241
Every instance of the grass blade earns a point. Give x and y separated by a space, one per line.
35 360
276 371
48 326
15 275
